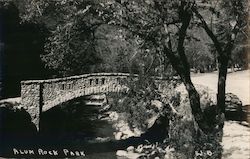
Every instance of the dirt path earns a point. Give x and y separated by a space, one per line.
236 141
236 137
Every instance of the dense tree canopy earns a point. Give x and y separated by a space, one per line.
149 37
74 40
173 32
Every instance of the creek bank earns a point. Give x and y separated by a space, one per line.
94 135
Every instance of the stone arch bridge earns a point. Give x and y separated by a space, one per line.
38 96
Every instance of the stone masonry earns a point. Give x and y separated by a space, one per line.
38 96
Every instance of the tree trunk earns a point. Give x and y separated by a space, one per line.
194 99
223 63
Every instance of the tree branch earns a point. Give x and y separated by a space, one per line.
182 35
174 60
208 31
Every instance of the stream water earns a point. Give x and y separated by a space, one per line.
73 126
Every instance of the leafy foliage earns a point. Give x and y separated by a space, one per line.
137 102
117 53
161 32
160 29
199 51
79 41
226 20
71 43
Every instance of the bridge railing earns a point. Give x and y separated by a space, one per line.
50 89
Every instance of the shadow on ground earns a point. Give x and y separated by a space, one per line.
72 125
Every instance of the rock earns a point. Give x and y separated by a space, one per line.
127 133
139 149
137 132
105 108
101 139
151 121
118 136
121 153
129 155
246 113
153 153
130 149
148 146
169 153
123 127
114 116
169 149
233 107
169 156
158 104
12 103
161 150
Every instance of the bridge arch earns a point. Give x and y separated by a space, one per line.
38 96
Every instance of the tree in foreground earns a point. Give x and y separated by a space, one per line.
166 26
228 23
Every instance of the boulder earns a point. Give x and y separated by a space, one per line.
128 155
130 149
121 153
233 107
246 114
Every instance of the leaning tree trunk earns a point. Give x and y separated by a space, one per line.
194 99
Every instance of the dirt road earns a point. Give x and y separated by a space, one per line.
237 83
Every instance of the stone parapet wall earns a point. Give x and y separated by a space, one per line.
85 76
79 77
56 91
